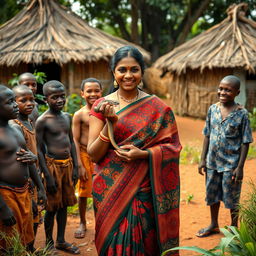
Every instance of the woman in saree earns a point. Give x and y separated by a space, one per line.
136 187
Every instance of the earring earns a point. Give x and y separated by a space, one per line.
115 84
140 85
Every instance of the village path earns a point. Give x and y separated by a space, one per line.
194 215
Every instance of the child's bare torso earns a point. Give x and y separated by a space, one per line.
84 127
12 172
57 135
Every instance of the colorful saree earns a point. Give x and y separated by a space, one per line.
137 203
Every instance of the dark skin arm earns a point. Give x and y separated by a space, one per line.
37 181
73 155
238 173
50 181
202 164
24 155
6 214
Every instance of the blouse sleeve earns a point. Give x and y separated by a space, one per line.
98 115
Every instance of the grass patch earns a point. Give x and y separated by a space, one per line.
74 210
190 155
14 247
252 151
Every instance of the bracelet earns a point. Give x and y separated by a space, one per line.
104 138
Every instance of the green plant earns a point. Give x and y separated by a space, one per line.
14 81
73 103
40 78
252 117
74 210
189 198
190 155
15 247
252 151
248 209
236 242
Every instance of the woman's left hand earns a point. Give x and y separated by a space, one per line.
130 152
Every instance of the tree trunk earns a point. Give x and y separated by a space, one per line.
134 24
195 10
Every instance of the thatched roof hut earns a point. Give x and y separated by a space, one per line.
49 37
198 65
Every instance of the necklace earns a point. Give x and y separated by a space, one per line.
126 100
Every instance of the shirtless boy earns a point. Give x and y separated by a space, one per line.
15 201
91 90
58 162
26 103
29 80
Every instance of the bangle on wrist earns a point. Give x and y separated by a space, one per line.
104 138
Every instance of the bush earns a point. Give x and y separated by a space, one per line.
248 210
236 242
73 103
252 117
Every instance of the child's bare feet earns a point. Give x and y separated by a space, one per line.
204 232
80 232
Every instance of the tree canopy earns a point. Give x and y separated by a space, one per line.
156 25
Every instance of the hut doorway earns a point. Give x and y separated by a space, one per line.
51 69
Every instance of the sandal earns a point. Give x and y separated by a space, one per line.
67 247
204 232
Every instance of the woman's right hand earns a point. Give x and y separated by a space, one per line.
108 111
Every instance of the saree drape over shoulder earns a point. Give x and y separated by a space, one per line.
137 203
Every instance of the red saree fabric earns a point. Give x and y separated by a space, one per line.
137 203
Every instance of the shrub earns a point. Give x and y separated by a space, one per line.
73 103
252 117
236 242
248 210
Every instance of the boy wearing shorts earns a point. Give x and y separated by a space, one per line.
226 143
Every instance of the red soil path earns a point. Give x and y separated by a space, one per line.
194 215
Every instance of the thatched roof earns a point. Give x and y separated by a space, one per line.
230 44
46 31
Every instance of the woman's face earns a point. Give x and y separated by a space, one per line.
128 73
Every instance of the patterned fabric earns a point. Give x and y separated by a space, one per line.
226 137
137 203
221 187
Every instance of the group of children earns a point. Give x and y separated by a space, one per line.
43 157
44 162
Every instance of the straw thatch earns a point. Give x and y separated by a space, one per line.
195 68
45 31
230 44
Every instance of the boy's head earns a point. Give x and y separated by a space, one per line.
54 93
29 80
24 98
229 88
8 106
91 90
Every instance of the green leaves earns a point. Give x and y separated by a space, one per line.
236 242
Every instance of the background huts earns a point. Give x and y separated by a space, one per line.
48 37
195 68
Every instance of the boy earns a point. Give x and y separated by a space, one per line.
15 201
26 103
91 90
227 137
58 162
29 80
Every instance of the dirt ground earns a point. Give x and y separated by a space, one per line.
194 215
